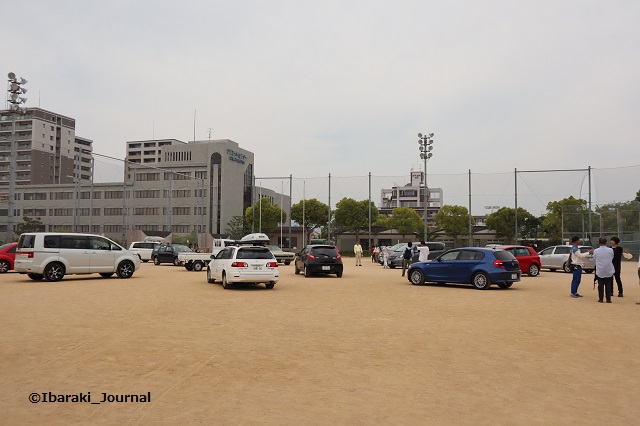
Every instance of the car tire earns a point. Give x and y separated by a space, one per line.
4 266
225 283
125 269
296 270
565 268
339 274
481 281
552 269
505 285
287 263
270 285
188 267
392 266
145 260
176 262
36 277
106 274
416 277
307 273
210 279
54 271
156 260
534 270
197 266
589 271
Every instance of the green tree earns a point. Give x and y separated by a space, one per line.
352 215
503 222
270 216
316 214
29 224
566 215
405 220
610 218
237 228
454 220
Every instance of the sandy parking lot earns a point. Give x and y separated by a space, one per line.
367 348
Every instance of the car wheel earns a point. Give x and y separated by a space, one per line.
287 263
552 269
416 277
392 266
307 273
54 271
505 285
4 266
156 260
534 271
210 279
197 266
565 268
270 285
125 269
295 269
481 281
339 274
36 277
176 262
188 266
145 260
106 274
589 271
225 283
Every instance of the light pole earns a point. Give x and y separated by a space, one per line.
426 146
14 89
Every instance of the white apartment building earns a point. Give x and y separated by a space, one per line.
412 195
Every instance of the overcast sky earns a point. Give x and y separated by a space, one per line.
343 87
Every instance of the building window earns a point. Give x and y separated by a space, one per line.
60 212
111 195
147 193
201 174
113 229
29 196
181 229
146 211
113 211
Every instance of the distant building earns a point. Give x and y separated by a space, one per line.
412 195
48 150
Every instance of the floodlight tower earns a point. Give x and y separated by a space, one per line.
426 146
14 90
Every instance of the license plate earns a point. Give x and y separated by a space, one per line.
514 276
257 268
326 268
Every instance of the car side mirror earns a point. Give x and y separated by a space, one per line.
439 260
213 256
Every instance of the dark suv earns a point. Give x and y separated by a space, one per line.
319 259
168 253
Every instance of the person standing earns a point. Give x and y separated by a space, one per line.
578 263
424 252
638 303
376 254
407 256
384 251
617 262
603 256
357 249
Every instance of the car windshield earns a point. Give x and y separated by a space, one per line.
396 247
503 255
180 248
326 250
585 249
254 253
5 246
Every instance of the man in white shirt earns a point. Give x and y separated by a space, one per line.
577 258
603 256
424 252
357 249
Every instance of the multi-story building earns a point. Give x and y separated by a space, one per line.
412 195
47 149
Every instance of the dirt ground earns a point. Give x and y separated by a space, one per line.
366 348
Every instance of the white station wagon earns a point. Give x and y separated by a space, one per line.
244 264
51 256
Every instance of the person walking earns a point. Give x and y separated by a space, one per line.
376 254
407 256
385 257
357 249
424 252
617 262
603 256
578 263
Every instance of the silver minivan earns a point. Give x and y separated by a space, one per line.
555 257
52 255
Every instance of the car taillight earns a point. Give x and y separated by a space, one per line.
28 253
498 263
239 265
272 265
312 257
338 257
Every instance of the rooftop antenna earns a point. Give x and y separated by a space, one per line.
209 129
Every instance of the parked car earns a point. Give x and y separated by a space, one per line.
527 257
397 251
54 255
243 264
319 259
282 256
7 256
555 257
168 253
480 267
144 249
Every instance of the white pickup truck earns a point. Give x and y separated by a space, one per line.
193 261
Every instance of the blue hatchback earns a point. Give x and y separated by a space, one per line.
480 267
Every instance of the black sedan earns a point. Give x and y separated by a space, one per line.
319 259
168 253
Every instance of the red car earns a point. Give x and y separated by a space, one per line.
7 256
527 257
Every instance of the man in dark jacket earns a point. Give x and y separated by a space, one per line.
617 260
